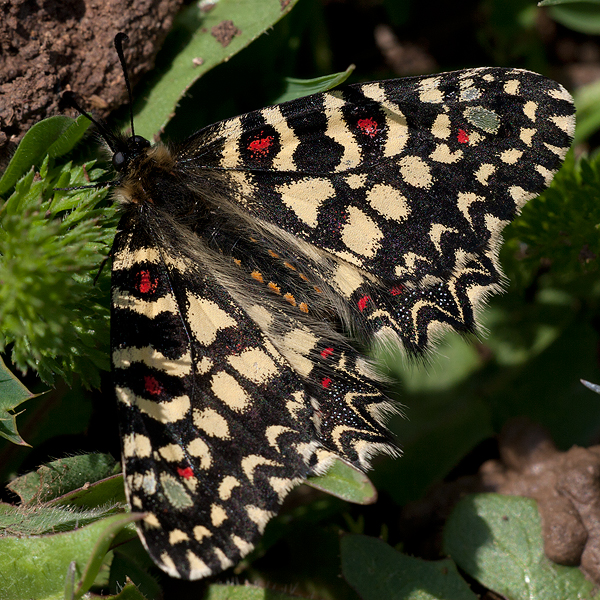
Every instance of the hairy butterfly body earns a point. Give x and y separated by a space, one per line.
248 254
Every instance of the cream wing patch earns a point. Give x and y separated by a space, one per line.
398 131
430 92
230 155
443 154
206 319
388 202
254 364
306 197
152 358
441 127
136 444
226 387
338 131
199 448
288 141
167 411
210 421
415 171
360 233
149 308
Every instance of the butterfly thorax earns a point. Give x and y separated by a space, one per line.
149 178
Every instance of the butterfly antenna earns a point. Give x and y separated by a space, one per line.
69 99
119 39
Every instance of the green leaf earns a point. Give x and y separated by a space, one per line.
35 144
129 592
131 562
579 16
587 102
561 225
498 541
44 519
345 482
557 2
243 592
61 476
51 312
451 421
12 394
108 490
113 526
200 41
37 566
298 88
376 571
70 137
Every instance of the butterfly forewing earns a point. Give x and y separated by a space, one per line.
249 256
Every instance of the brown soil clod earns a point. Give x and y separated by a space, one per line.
566 486
56 45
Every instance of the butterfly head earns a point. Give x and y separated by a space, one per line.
126 151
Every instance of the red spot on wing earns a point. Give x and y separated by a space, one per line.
261 145
368 126
397 290
152 385
362 303
462 137
326 382
327 352
145 282
186 473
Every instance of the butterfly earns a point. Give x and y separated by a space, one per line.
252 256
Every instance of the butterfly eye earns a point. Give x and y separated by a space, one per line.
119 160
140 142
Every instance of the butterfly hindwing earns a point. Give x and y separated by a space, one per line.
410 181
